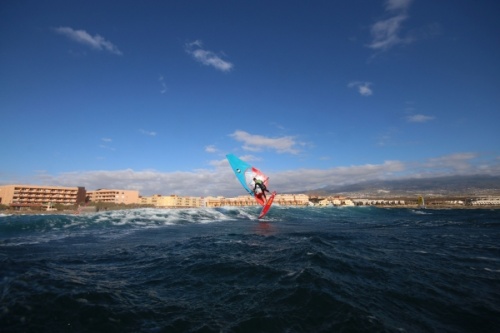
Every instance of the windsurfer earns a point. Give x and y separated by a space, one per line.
262 186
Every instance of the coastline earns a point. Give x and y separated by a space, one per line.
440 207
76 213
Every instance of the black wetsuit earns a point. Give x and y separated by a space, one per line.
262 186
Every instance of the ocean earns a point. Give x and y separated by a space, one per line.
350 269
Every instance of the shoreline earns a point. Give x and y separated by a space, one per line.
73 212
440 207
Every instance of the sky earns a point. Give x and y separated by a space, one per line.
151 96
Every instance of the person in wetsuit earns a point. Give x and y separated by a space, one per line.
262 186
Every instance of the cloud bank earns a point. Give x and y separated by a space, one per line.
220 180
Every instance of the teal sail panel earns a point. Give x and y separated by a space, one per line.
246 173
240 168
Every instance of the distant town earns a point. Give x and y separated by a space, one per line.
57 198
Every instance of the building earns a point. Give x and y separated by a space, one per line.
171 201
240 201
114 196
246 200
41 197
488 201
292 199
377 202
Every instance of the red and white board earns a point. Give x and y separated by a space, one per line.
267 206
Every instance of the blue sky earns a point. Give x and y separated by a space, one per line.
152 95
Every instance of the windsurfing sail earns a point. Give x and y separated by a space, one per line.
421 202
245 174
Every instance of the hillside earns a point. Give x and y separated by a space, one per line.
476 185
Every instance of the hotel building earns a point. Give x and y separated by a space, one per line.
20 196
45 197
175 201
246 200
170 201
242 200
114 196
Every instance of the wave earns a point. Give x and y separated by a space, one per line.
219 270
24 229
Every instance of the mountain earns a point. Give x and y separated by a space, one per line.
475 185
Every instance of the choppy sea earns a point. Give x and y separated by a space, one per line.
358 269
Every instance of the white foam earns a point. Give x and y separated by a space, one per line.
151 217
421 212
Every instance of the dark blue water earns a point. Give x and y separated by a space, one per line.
221 270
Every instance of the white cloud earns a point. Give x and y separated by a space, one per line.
220 180
391 5
363 87
105 144
149 133
386 33
83 37
163 85
459 163
149 182
207 58
385 139
251 142
309 179
419 118
211 149
107 147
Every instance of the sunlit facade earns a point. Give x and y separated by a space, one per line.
126 197
246 200
171 201
31 196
